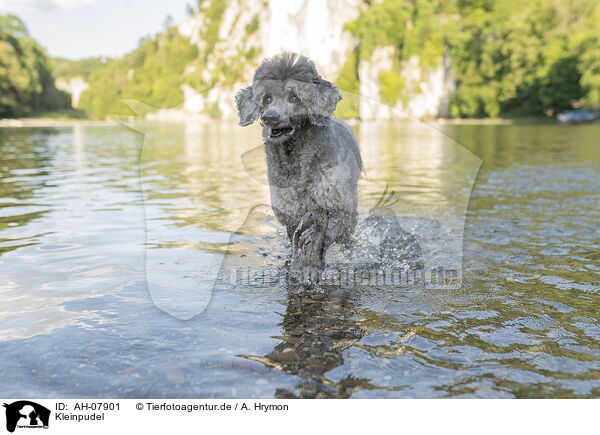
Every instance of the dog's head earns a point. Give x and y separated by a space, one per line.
287 92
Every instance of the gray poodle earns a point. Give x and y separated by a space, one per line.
313 158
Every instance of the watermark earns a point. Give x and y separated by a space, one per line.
211 225
341 276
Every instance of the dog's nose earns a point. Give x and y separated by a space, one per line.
270 117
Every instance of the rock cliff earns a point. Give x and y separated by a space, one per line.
250 31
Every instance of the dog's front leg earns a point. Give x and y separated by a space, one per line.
308 246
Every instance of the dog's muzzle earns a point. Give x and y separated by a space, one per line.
278 127
281 131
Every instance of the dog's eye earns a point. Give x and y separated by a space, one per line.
268 99
294 98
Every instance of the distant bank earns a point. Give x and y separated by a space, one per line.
44 122
41 122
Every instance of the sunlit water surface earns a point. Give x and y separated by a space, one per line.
79 317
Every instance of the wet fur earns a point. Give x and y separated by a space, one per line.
313 173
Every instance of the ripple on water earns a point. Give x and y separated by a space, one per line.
78 319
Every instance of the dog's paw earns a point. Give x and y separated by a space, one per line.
310 224
304 278
306 234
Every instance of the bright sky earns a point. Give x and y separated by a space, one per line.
75 29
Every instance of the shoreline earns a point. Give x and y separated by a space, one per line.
45 122
493 121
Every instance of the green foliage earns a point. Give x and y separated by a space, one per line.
511 57
383 23
589 63
587 44
66 69
26 81
508 56
153 74
214 111
212 11
412 27
423 37
252 26
224 70
392 85
155 71
348 83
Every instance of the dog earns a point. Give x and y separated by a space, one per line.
313 159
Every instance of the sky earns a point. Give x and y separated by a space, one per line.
75 29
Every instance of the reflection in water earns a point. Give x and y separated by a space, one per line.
321 323
24 166
77 319
65 234
317 328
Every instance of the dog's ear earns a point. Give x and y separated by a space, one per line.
323 98
246 106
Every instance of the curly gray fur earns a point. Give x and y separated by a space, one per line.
313 158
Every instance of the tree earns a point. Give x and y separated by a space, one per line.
26 80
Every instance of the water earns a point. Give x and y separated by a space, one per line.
100 288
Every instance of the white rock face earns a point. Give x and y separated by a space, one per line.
368 73
433 88
74 86
233 40
193 101
233 37
314 28
428 91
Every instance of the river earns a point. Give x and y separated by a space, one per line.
114 243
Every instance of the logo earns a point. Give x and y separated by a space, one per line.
26 414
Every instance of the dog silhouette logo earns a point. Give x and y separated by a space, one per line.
26 414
